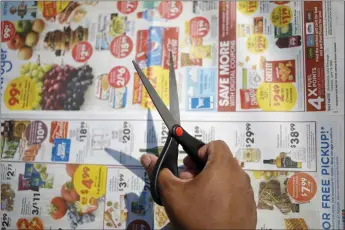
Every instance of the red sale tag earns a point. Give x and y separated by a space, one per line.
121 46
7 31
199 27
82 51
127 7
119 77
170 9
301 187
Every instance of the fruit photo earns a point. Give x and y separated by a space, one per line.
26 37
59 87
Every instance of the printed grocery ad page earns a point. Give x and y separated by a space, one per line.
269 56
228 56
298 200
305 200
94 142
289 145
73 56
52 196
128 203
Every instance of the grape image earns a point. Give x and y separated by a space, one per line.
59 87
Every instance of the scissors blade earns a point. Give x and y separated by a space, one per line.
174 101
166 115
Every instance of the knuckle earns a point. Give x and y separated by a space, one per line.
220 143
216 145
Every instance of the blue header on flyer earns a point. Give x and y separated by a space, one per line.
201 88
330 179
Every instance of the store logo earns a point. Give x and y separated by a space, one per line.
61 150
6 65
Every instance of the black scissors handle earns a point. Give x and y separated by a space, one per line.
190 145
167 159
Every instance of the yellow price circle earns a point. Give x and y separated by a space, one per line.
257 43
90 182
247 7
281 16
20 94
276 96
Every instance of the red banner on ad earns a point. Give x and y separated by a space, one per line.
170 43
141 47
314 56
227 57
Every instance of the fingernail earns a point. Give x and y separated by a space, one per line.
145 161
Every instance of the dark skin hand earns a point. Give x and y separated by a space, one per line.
219 197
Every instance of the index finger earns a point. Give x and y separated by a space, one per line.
211 152
214 151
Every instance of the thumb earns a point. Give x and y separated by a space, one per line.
169 184
148 161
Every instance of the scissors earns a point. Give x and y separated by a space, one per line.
177 135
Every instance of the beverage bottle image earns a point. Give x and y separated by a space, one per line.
283 161
248 155
149 15
289 42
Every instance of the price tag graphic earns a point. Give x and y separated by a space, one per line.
20 94
302 187
82 132
127 7
82 51
121 46
90 182
247 7
281 16
199 27
126 132
164 134
36 132
257 43
119 77
276 96
294 135
249 136
9 171
7 31
170 9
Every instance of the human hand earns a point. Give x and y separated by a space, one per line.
219 197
